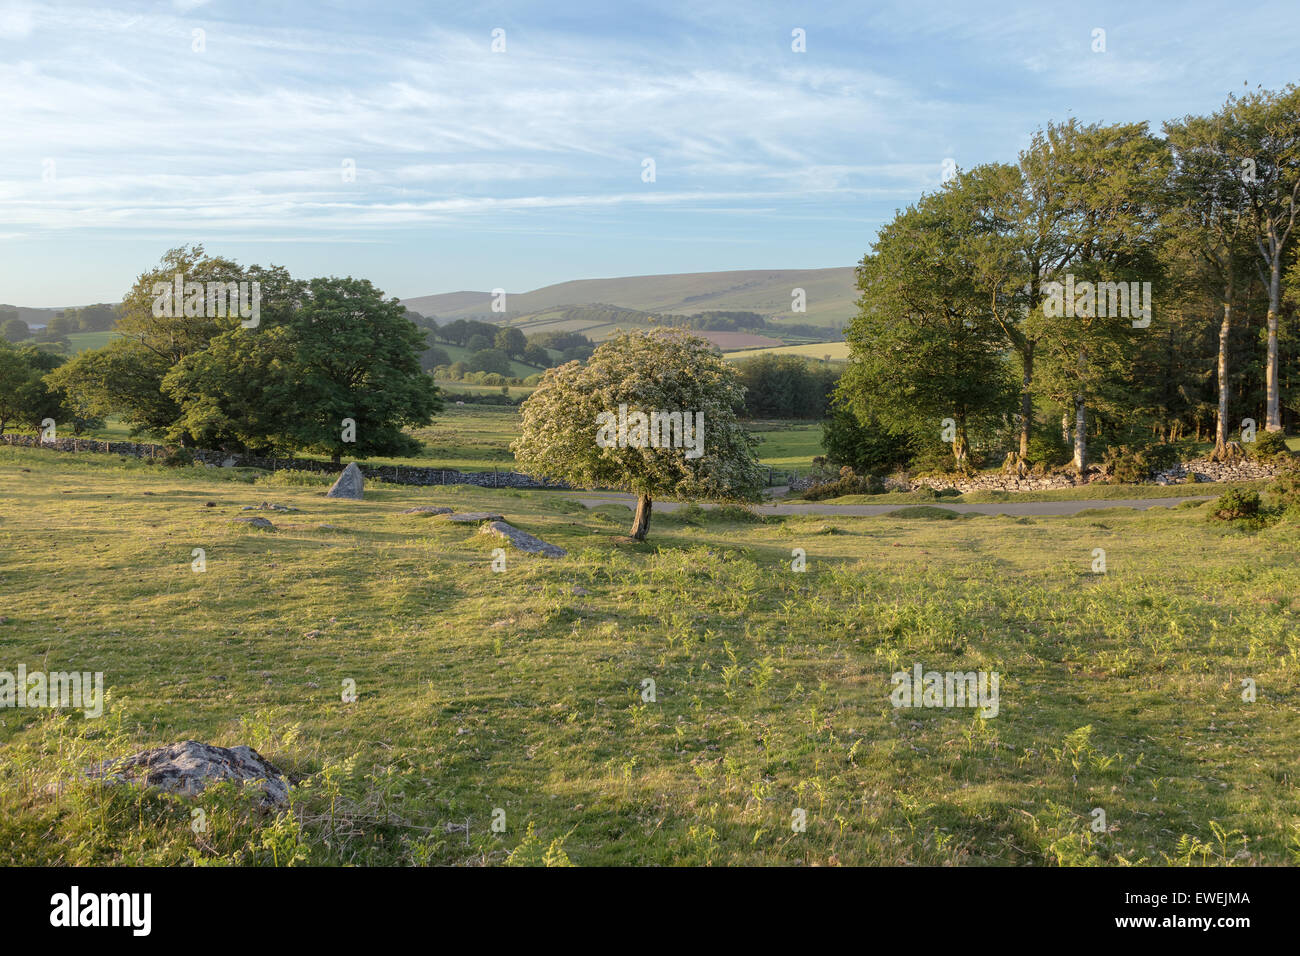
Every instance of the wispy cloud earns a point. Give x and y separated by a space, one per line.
235 121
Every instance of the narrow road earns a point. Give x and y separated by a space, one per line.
1014 508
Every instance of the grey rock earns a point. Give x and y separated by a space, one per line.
428 510
472 517
522 539
349 484
229 462
187 768
255 523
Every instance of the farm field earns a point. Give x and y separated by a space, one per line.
523 690
838 351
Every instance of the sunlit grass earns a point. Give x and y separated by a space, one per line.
523 690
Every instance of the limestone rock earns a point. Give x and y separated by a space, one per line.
522 539
472 517
427 510
188 767
349 484
256 523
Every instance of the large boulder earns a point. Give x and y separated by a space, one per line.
471 517
522 539
349 484
188 767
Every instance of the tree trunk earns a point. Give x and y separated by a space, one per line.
1080 433
1221 429
641 523
960 446
1273 417
1026 400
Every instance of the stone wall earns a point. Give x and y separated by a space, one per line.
394 474
1201 469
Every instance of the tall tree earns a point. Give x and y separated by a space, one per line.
1263 136
924 345
1206 224
1108 185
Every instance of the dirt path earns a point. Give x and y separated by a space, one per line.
1014 508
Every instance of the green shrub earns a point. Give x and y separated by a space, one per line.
1268 445
847 484
179 458
1131 466
735 513
1283 491
1235 505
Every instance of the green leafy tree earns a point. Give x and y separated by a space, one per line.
26 396
434 356
490 360
665 371
122 378
511 341
1112 182
536 355
15 329
924 346
1263 140
343 353
1207 233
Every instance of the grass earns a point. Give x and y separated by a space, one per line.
788 446
81 341
838 351
523 690
477 438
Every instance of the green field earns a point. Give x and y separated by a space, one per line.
836 351
522 690
458 353
477 437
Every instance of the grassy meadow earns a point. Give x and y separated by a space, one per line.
523 690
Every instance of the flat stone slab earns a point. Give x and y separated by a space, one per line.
255 523
188 767
472 517
522 539
350 484
428 510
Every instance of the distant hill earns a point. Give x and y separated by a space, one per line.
830 295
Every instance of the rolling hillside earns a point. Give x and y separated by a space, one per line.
830 295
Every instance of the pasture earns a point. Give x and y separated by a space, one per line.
525 690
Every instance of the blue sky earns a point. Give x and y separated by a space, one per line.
477 170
